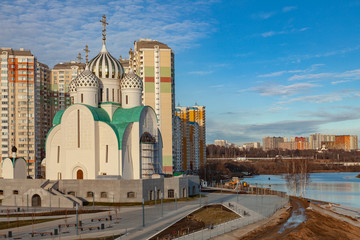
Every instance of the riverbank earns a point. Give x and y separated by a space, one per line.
304 221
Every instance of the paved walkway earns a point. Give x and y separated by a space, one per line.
131 220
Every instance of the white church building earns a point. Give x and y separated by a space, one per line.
105 147
106 132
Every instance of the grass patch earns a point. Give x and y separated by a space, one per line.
204 217
14 224
148 203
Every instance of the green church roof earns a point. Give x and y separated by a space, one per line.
121 119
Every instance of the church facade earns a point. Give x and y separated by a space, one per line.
106 133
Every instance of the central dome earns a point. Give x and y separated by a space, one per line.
106 66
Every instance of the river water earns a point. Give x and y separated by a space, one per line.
340 187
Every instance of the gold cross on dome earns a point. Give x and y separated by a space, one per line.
103 21
87 53
79 58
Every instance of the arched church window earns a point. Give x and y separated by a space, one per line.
113 95
103 195
171 193
72 100
1 192
15 192
127 99
82 98
130 195
89 194
107 94
107 154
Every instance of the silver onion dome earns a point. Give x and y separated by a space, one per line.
72 85
106 66
87 79
131 80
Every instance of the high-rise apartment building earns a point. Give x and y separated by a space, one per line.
23 119
197 114
61 76
153 61
272 142
346 142
189 138
317 139
182 140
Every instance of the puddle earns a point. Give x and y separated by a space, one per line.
297 217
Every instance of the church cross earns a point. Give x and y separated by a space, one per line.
87 53
79 58
103 21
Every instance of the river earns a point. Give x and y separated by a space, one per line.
340 187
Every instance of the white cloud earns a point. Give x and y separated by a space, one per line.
263 15
338 82
282 90
273 33
352 74
289 8
280 73
201 72
57 30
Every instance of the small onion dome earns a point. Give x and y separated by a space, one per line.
87 79
72 85
106 66
131 80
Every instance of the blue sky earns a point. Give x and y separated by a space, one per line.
262 68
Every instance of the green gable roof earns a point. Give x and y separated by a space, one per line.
57 117
121 119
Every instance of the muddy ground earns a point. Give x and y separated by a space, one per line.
204 217
305 224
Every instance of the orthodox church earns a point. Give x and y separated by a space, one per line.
106 133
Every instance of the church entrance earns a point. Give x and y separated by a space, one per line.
79 174
36 201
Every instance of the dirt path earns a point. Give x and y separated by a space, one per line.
306 224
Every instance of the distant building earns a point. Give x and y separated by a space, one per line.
272 142
344 142
61 76
251 145
221 143
189 138
316 140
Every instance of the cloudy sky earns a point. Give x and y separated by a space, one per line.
262 68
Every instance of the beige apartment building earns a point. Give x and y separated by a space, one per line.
61 76
153 61
23 97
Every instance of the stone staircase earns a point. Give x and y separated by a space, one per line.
52 187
